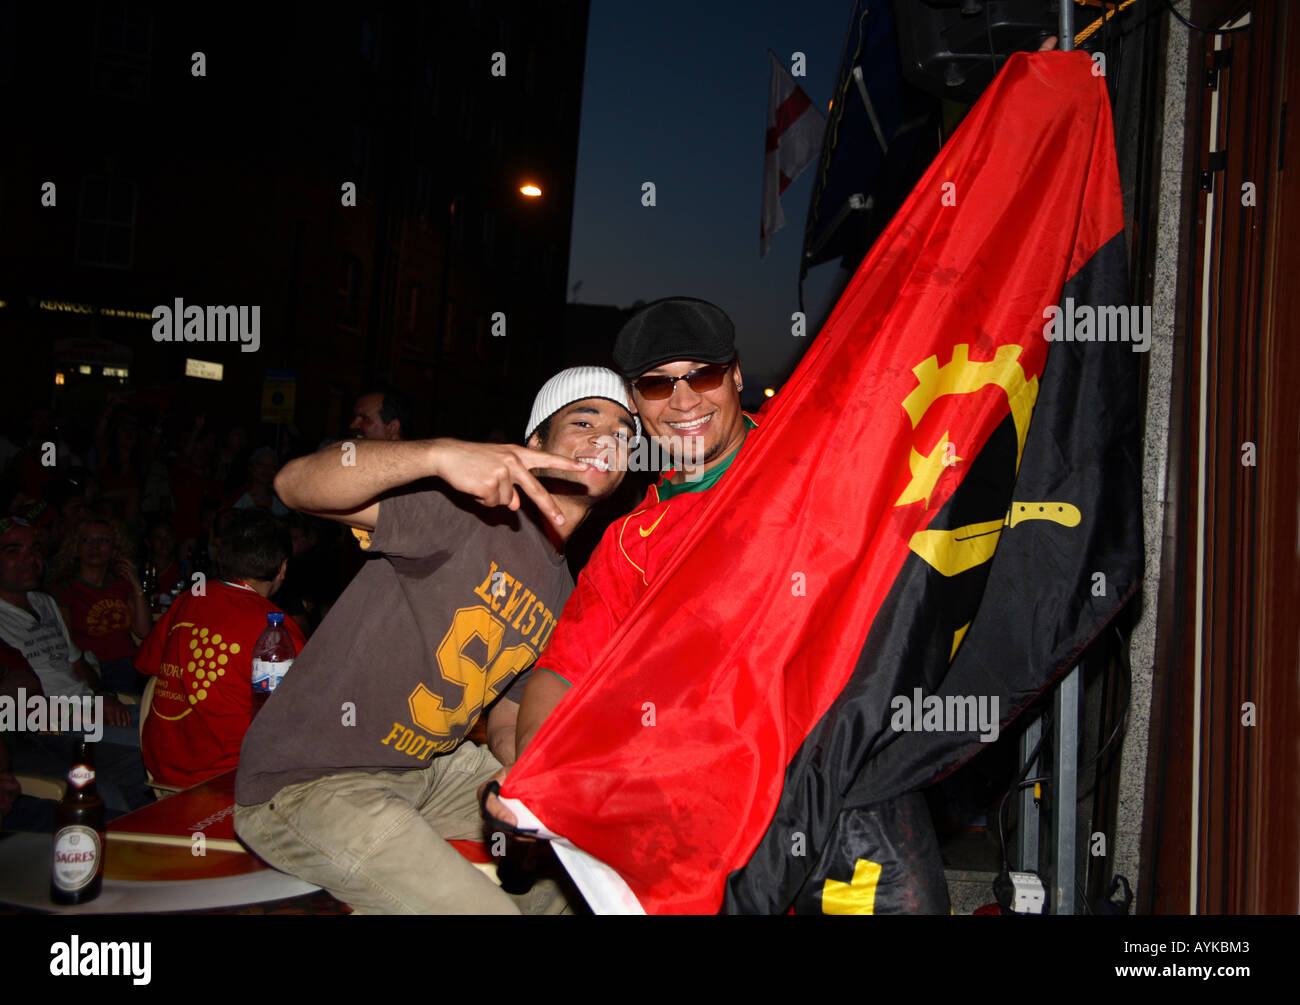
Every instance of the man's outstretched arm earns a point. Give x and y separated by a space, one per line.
343 482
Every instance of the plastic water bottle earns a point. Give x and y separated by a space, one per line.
273 655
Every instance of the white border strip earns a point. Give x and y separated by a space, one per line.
603 888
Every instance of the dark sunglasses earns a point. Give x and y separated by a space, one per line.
706 378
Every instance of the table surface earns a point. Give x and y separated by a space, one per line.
25 861
150 862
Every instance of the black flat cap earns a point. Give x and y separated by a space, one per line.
671 329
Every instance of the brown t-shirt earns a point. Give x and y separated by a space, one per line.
422 640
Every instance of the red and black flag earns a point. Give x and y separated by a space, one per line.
940 511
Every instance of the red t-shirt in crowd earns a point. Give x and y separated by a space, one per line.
100 618
201 653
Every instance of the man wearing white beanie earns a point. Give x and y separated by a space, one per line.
356 773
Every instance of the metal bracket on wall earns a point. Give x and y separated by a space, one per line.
1217 161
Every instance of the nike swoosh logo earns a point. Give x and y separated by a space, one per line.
647 533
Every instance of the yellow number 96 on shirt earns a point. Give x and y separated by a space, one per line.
473 632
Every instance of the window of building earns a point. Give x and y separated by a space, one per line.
105 222
121 56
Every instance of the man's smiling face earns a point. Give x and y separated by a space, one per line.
588 430
713 415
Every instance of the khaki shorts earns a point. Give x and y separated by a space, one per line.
378 842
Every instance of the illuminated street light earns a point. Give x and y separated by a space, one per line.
768 392
530 190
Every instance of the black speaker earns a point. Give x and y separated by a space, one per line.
953 48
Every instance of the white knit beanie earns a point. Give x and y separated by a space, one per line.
574 384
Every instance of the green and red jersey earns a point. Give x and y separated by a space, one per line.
623 566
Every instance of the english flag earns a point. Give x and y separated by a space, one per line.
794 139
942 506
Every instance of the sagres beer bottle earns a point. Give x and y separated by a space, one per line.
78 870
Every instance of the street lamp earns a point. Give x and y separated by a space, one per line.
530 190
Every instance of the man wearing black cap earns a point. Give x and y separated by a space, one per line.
679 357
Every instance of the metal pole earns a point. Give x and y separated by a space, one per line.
1066 769
1066 40
1028 825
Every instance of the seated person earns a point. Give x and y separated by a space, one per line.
201 652
30 626
258 492
160 552
358 773
102 600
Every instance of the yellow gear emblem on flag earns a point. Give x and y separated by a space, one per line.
961 375
960 549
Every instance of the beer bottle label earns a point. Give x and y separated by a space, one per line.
81 776
76 857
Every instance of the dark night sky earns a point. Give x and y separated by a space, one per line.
676 94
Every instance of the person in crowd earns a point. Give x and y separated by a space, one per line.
118 474
357 772
382 413
102 599
67 499
160 554
193 479
155 474
11 440
33 636
231 458
201 553
259 490
201 650
311 584
37 462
